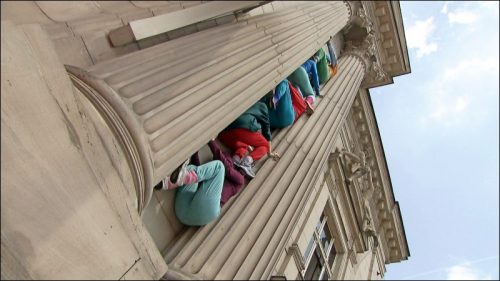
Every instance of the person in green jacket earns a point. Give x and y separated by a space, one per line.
322 65
254 119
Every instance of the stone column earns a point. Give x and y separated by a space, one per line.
246 241
167 101
66 209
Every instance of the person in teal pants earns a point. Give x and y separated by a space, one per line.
198 203
322 66
281 113
199 191
300 79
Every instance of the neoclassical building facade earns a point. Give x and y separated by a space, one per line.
102 100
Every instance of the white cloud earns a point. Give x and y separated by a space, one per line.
476 65
444 10
492 6
465 272
451 94
446 109
462 16
460 104
469 12
418 36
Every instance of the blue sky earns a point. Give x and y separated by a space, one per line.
440 130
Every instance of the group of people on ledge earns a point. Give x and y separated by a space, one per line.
201 189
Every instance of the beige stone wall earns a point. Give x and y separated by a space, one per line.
68 208
79 29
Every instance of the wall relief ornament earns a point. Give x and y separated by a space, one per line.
368 228
366 22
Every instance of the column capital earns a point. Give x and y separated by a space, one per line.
361 41
360 52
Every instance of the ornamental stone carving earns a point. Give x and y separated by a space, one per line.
379 72
366 22
355 165
362 41
368 227
297 256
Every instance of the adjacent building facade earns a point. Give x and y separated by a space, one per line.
101 100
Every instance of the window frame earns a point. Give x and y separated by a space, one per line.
318 246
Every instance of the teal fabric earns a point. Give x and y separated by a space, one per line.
254 119
300 79
199 203
283 115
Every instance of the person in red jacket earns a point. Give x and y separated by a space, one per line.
249 136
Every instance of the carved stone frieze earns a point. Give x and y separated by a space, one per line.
366 22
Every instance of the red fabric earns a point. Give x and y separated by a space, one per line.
239 139
298 103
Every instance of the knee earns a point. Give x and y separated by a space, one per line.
219 166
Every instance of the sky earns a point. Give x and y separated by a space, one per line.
440 130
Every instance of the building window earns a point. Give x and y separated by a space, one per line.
320 252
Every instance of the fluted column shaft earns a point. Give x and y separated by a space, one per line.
165 102
246 241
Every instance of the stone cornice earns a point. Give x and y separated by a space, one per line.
386 213
375 33
388 18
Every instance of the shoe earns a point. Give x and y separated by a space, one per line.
248 170
182 171
246 165
309 108
310 100
247 161
236 160
159 186
164 184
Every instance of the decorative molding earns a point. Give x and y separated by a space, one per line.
297 257
97 94
350 48
366 22
357 167
369 47
376 190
